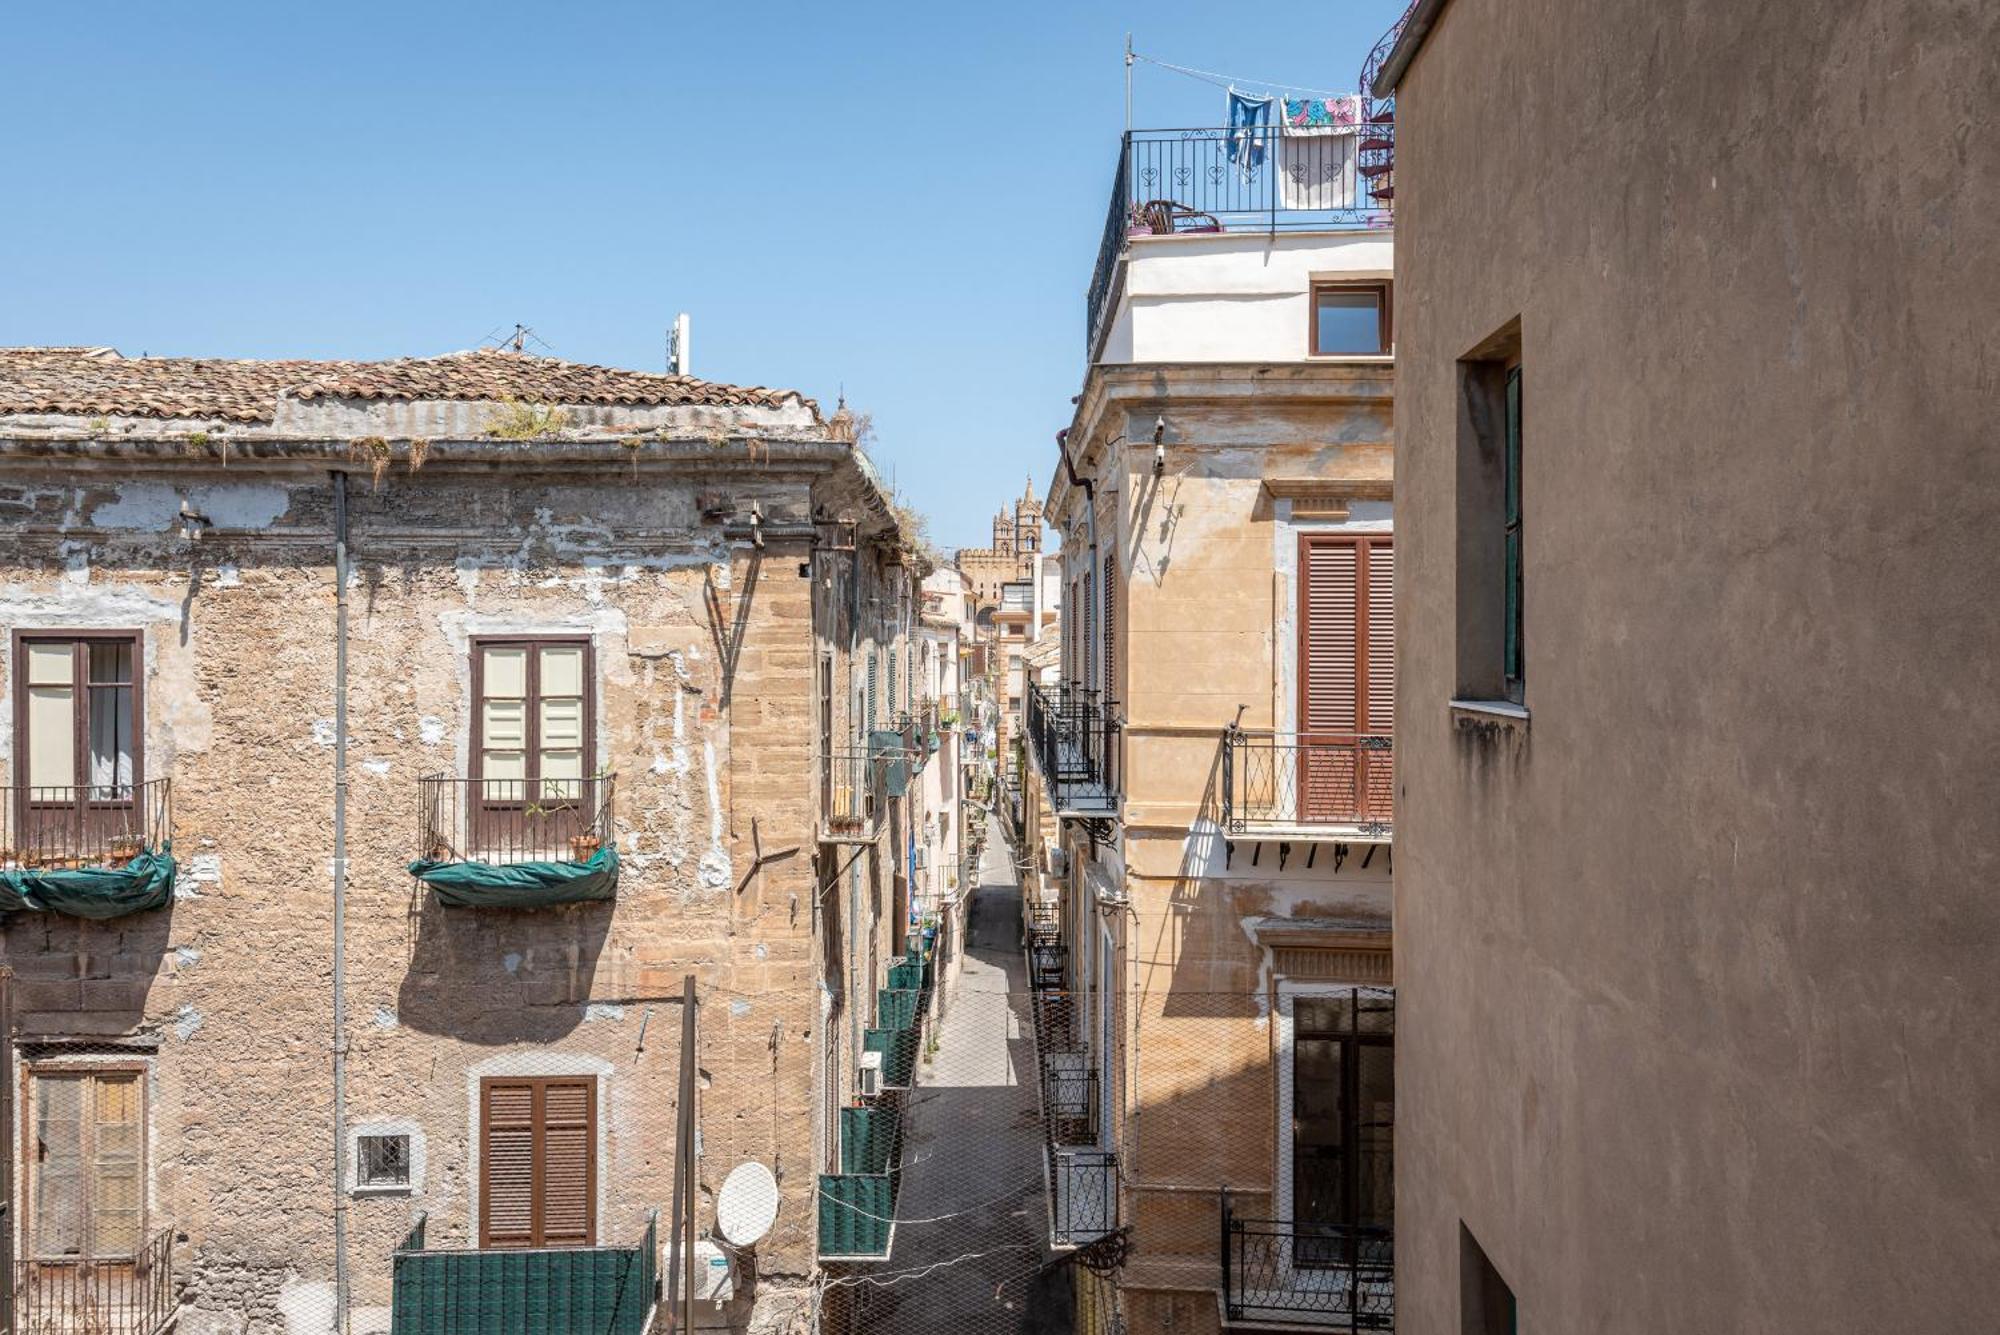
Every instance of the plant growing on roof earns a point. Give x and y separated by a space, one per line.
526 419
374 451
420 450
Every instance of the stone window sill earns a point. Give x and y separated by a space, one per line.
1503 712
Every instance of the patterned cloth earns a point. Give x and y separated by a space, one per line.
1322 115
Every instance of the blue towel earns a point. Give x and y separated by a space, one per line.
1249 120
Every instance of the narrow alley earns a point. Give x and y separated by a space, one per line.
971 1239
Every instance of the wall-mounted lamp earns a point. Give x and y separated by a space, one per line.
191 523
1159 446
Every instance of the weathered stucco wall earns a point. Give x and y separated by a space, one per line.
1696 971
1205 635
702 647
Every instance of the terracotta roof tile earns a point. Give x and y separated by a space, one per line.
99 382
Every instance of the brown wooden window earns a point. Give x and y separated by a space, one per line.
86 1141
538 1161
1351 320
77 715
1343 1115
1347 676
535 718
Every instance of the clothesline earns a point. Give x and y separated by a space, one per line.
1228 81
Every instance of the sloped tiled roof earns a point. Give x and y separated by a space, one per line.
99 382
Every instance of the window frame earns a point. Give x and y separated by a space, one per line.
80 712
1385 321
28 1162
364 1184
1513 640
531 780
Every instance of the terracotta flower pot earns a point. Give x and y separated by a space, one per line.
583 847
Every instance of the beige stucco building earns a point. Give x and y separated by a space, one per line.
587 612
1211 814
1696 846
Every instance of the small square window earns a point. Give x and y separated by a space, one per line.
1350 319
383 1161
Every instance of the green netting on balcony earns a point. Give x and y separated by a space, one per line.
869 1140
146 882
855 1215
899 1054
906 977
521 884
896 1008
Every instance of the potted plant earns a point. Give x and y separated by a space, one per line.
1136 224
583 847
124 848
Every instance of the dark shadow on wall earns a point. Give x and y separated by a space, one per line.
727 627
500 975
83 977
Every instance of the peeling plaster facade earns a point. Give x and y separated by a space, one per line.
689 559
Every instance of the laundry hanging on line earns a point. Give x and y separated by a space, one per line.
1316 152
1249 123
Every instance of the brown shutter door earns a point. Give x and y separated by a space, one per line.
1330 695
507 1164
569 1189
1330 687
1379 777
1381 637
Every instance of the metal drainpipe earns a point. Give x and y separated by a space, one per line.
1090 523
340 565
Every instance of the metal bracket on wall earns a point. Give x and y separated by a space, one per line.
1339 856
1284 852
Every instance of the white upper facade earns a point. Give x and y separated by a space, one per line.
1234 296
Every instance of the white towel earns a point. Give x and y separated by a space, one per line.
1316 170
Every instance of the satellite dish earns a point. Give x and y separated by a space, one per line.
747 1206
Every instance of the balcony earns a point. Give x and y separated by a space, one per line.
1071 736
1182 182
857 1205
1325 1276
1326 786
1082 1174
517 843
850 795
543 1291
125 1295
91 852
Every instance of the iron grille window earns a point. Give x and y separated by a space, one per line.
382 1161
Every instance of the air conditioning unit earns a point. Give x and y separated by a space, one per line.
1058 861
868 1075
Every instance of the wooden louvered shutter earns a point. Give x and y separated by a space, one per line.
1378 703
1347 677
507 1164
538 1162
569 1188
1110 628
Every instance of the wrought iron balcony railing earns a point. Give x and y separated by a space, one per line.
112 1295
608 1289
1072 735
513 820
1187 181
1329 1276
1082 1174
850 791
54 829
1284 783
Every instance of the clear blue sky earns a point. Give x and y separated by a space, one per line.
905 199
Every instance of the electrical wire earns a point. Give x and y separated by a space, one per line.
1230 81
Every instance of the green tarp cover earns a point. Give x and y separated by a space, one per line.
896 1008
905 976
146 882
899 1054
521 885
868 1140
854 1214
